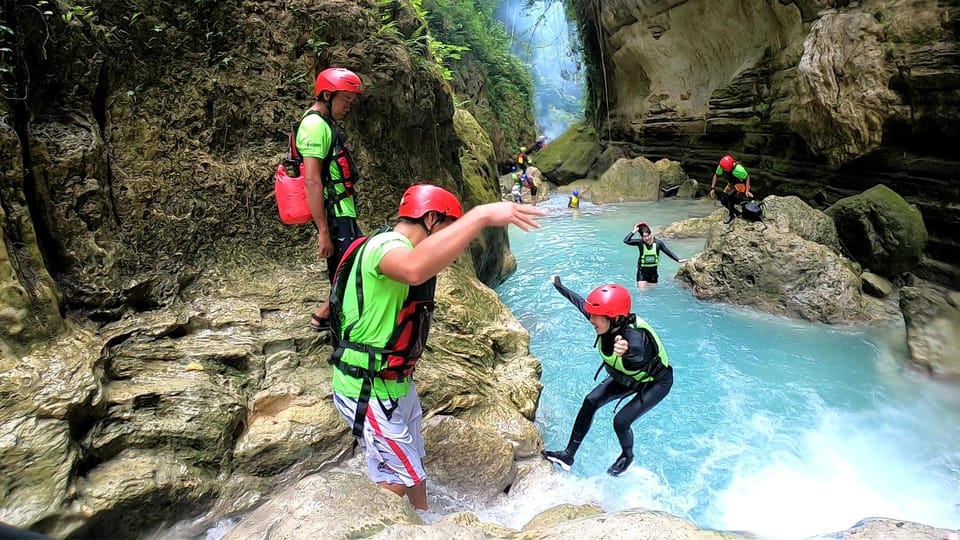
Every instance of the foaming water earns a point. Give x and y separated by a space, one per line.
781 427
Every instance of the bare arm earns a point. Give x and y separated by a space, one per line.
316 203
441 249
713 186
667 251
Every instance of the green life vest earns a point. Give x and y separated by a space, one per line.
649 255
626 377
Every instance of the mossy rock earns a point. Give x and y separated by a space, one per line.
880 230
570 156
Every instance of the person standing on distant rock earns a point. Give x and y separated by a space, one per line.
650 249
523 160
330 172
381 307
637 367
738 182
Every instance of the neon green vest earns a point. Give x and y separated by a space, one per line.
649 255
615 363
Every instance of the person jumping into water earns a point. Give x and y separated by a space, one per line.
636 364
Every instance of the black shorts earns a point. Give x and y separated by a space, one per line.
343 231
648 274
533 190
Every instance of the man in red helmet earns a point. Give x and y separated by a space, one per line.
636 363
382 306
329 171
738 181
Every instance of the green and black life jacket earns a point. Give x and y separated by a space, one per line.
613 364
649 255
338 153
397 359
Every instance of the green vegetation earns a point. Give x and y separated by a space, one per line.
482 43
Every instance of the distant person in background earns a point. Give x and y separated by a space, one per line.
574 200
517 191
738 183
650 249
531 185
636 364
541 143
522 159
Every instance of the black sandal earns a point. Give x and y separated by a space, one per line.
318 323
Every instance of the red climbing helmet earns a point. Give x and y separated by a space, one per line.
610 300
338 80
727 163
422 198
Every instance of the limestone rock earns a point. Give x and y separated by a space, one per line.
791 214
628 180
561 513
843 87
139 489
933 330
326 505
880 230
471 460
875 285
285 429
491 250
694 227
890 529
630 524
38 457
689 189
570 156
778 272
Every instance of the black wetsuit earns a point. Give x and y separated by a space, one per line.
641 355
648 273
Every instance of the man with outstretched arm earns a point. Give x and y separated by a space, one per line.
381 308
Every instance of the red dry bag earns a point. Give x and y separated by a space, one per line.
291 196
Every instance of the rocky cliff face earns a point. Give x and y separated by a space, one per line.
138 144
820 99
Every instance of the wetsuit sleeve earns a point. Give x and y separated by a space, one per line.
639 350
630 240
667 251
573 297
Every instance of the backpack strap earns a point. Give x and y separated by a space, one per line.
326 179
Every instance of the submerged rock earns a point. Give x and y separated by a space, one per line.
933 329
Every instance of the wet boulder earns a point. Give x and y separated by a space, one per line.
469 459
570 156
880 230
932 316
753 264
635 179
326 505
694 227
791 214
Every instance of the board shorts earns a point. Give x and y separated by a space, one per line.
393 447
648 274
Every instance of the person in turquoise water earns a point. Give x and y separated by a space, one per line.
636 364
574 200
650 249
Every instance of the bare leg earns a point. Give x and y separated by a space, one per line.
417 495
642 285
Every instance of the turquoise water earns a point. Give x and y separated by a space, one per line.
781 427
